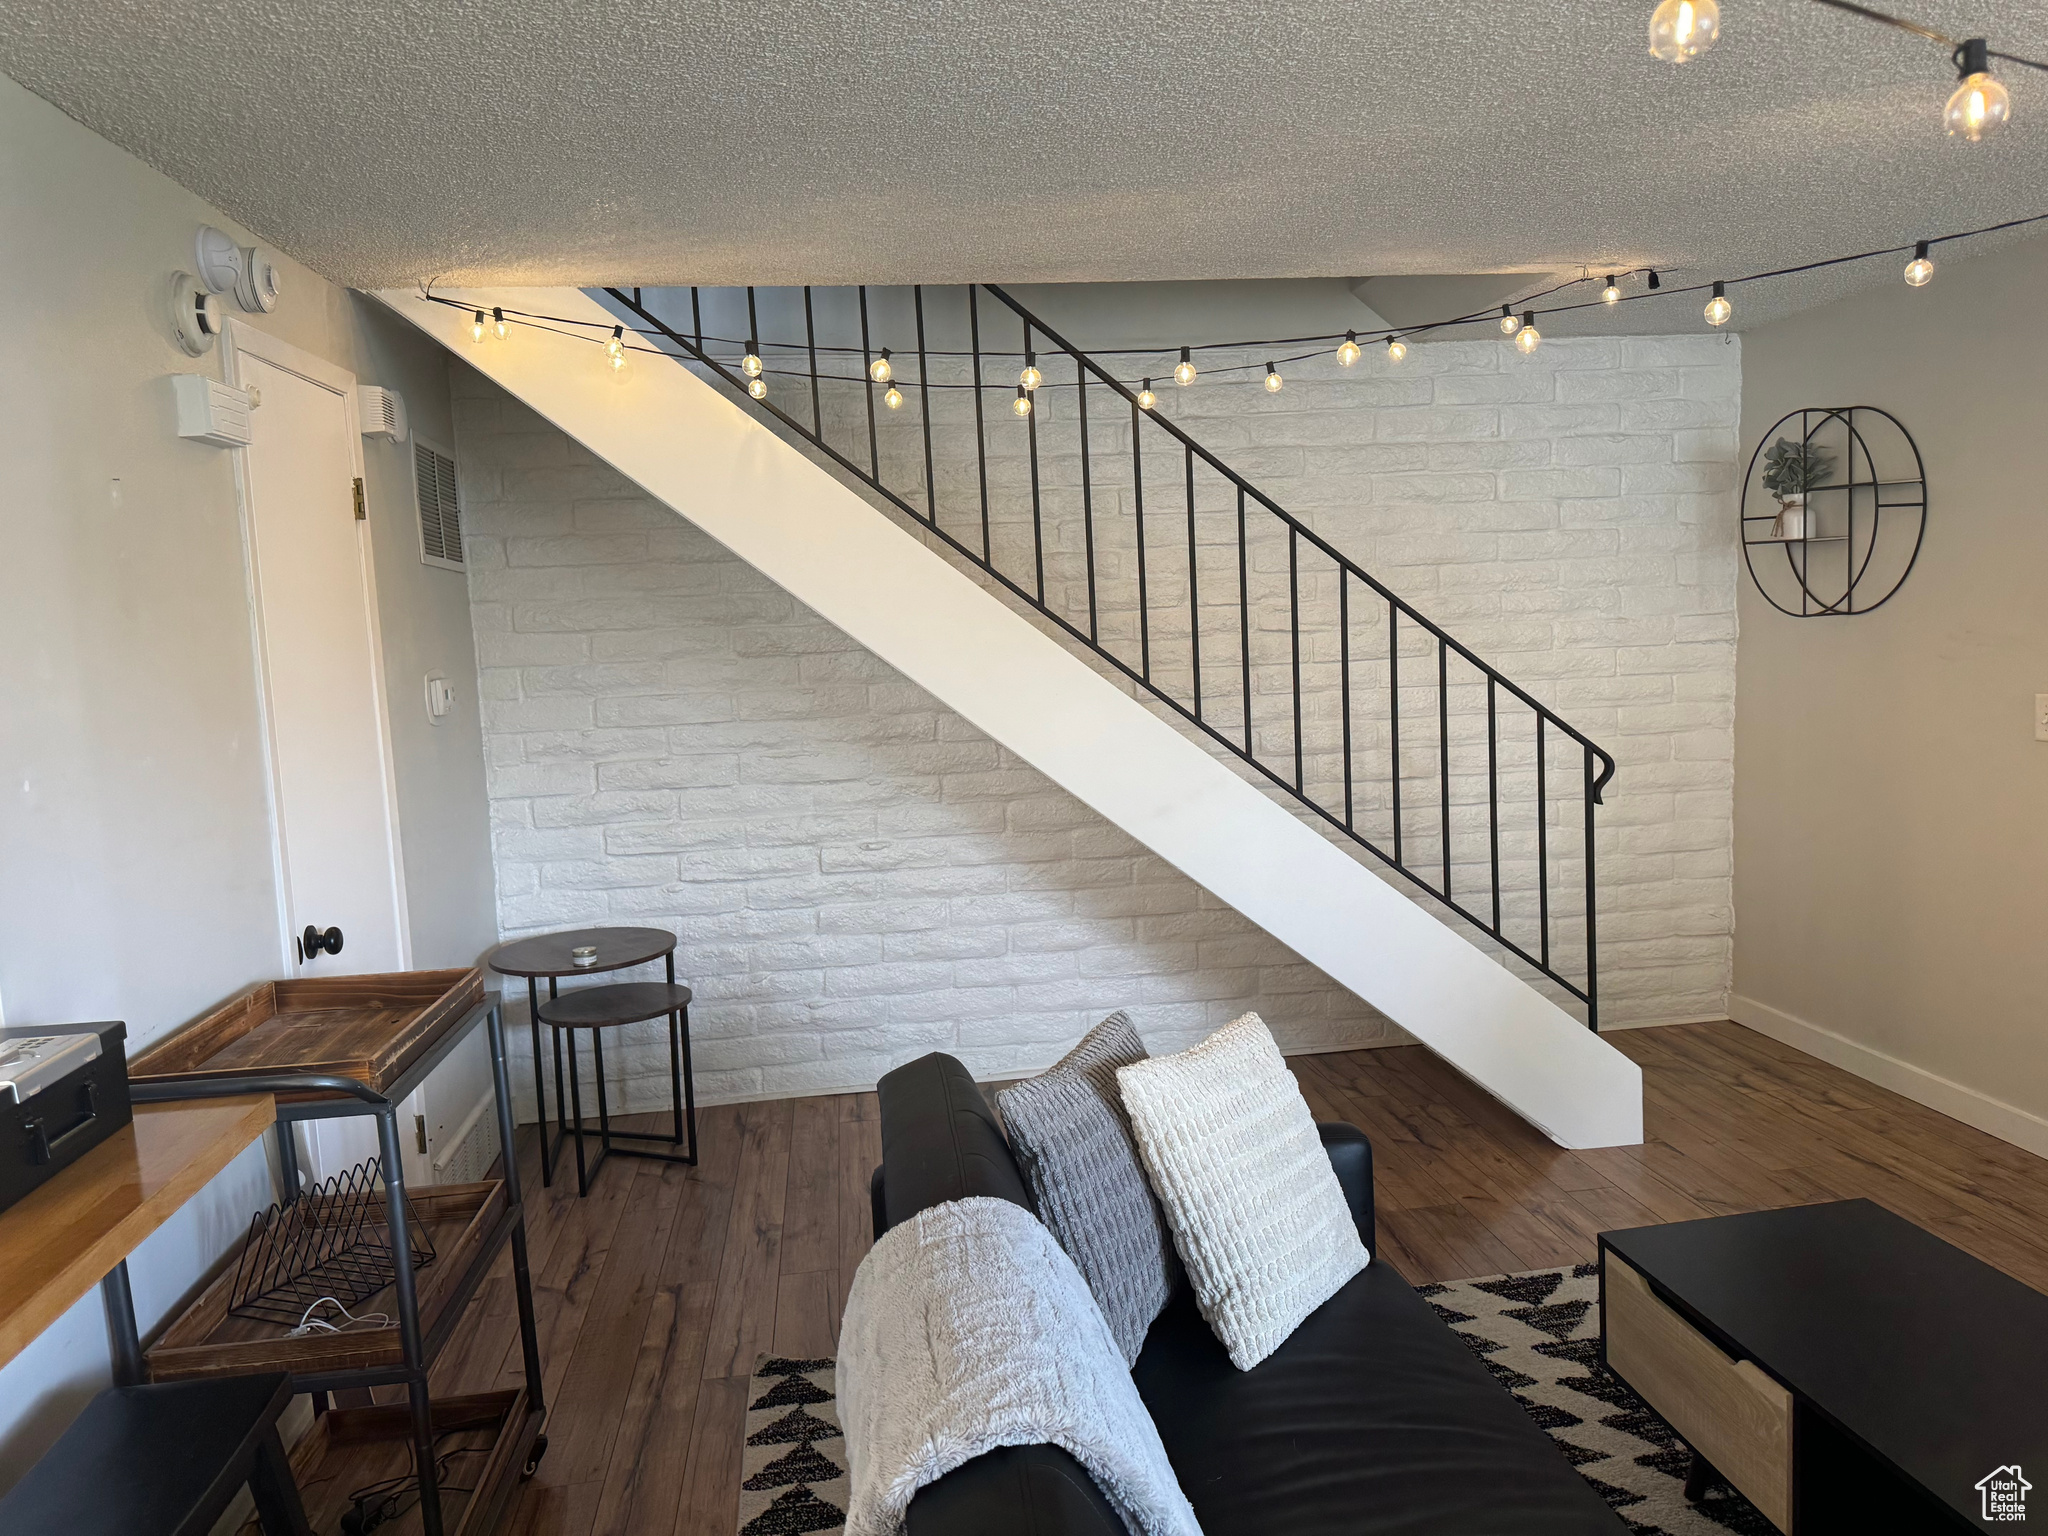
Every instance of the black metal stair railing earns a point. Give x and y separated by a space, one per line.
1476 792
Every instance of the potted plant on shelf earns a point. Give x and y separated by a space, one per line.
1790 471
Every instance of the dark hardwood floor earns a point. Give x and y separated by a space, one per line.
656 1293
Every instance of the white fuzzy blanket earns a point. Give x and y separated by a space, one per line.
969 1328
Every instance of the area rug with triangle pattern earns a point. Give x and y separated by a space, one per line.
1539 1333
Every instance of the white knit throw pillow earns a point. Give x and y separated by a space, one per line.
1256 1212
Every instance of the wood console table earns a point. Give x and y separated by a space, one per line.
78 1230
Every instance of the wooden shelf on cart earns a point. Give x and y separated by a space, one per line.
207 1340
351 1448
370 1028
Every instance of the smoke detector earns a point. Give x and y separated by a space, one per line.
197 318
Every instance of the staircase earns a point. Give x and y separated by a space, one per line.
1184 623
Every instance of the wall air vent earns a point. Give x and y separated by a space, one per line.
440 513
381 412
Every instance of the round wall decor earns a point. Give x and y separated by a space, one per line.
1834 506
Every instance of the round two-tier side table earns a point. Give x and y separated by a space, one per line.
550 957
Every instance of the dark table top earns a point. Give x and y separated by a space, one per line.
624 1002
547 954
1934 1360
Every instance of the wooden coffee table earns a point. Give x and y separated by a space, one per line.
1848 1371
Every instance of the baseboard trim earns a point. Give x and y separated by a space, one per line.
1704 1018
1995 1117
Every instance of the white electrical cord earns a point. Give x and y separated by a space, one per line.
308 1323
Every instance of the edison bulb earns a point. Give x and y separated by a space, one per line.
758 388
1146 399
1347 353
1527 336
499 328
1611 294
881 370
750 365
615 346
1184 370
1021 406
1718 307
1273 380
1978 109
477 329
1684 29
1509 324
1030 378
1396 349
1920 270
893 399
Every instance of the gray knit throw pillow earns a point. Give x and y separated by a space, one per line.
1072 1138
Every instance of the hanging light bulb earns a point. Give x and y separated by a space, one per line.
1396 349
1684 29
1184 370
616 353
1030 378
477 328
1146 399
893 399
1347 353
1920 270
1655 281
499 328
1611 294
758 388
1526 334
1718 307
1273 380
750 365
1980 106
881 370
1508 323
1021 406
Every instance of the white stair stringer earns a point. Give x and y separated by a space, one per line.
691 447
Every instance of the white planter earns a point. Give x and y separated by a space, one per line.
1790 523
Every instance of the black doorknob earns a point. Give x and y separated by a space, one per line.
314 941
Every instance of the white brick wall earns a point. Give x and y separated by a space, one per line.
859 876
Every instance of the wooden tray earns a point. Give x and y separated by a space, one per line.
207 1340
348 1448
370 1028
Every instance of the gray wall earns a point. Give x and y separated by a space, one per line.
135 835
1892 801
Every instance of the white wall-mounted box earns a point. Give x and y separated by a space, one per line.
211 411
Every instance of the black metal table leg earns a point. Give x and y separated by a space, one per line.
576 1106
540 1088
271 1485
287 1161
408 1302
689 1087
675 1060
604 1116
522 1280
124 1344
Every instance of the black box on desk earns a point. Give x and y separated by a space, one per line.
63 1091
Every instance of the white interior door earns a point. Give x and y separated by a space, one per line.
338 859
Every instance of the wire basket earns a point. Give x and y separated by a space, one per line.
333 1241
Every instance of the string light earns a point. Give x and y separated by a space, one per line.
499 328
1718 308
616 353
1508 323
1184 370
1273 380
1030 378
1684 29
881 370
1611 294
750 365
1146 399
758 388
1347 353
893 399
1979 107
1396 349
1655 281
476 327
1021 406
1526 334
1920 270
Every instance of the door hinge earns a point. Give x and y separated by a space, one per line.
419 1133
361 515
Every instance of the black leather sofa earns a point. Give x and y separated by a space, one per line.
1373 1419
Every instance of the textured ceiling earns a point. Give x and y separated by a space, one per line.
487 141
